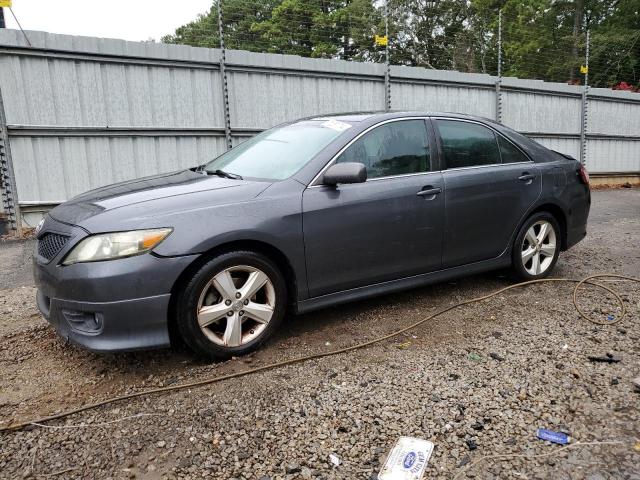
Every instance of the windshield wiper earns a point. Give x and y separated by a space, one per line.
222 173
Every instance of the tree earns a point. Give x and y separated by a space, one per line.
312 28
542 39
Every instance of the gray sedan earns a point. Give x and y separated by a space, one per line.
305 215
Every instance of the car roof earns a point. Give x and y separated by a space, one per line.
366 118
381 114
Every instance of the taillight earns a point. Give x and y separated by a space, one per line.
584 175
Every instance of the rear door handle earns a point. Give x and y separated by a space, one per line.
526 177
429 191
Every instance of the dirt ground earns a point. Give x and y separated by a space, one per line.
476 381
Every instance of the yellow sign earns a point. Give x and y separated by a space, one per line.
5 3
584 69
382 41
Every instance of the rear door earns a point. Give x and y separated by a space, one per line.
489 185
386 228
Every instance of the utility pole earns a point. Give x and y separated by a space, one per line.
387 80
2 24
223 75
585 106
499 81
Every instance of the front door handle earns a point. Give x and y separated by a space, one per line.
429 191
526 177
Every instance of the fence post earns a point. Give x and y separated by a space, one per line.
585 108
499 81
387 72
7 176
223 75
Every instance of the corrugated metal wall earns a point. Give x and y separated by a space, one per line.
84 112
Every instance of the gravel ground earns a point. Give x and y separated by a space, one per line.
476 381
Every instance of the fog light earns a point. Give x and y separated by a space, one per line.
86 322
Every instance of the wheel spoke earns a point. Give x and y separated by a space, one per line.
531 236
210 313
260 312
548 250
255 282
527 254
233 333
224 284
535 264
544 231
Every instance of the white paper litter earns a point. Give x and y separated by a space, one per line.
407 460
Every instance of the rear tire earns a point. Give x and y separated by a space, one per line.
231 305
536 247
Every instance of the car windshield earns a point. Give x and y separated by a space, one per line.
280 152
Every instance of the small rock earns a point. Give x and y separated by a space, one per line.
471 444
292 468
615 381
335 459
496 357
477 426
161 444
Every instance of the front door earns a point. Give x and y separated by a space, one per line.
489 185
386 228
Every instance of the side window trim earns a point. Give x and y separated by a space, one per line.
434 145
442 163
425 119
439 154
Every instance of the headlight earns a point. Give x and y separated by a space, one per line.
109 246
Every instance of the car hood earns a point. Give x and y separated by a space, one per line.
154 194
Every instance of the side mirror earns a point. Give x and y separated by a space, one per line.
348 172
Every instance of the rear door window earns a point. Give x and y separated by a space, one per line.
466 144
509 152
394 148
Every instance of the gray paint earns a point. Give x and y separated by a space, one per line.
137 108
341 243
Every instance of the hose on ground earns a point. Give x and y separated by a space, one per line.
293 361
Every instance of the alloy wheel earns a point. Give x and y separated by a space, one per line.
236 305
538 247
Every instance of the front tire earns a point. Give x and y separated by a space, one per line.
231 305
536 247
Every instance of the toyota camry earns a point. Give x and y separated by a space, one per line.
308 214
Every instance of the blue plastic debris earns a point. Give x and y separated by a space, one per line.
555 437
611 317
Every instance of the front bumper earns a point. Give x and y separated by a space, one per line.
115 305
124 325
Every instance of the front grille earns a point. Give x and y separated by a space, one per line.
50 244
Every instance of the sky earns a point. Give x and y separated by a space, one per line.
124 19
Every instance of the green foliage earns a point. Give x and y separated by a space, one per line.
543 39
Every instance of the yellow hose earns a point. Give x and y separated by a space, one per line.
208 381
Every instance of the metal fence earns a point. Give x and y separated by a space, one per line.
81 112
